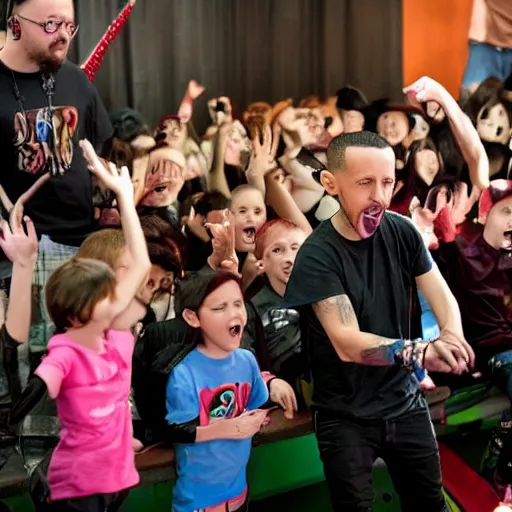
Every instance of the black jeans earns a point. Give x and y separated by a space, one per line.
95 503
349 447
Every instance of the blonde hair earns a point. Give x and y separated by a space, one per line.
75 288
106 245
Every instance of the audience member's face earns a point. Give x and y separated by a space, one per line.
365 187
250 214
393 126
280 253
493 124
158 280
426 165
353 121
48 51
164 177
222 318
498 225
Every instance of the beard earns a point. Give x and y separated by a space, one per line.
47 60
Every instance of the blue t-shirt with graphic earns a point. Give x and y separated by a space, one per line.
212 472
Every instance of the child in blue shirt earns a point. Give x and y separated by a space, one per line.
213 397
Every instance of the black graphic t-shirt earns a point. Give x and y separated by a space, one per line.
281 327
62 208
378 275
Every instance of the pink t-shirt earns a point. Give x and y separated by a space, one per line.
94 454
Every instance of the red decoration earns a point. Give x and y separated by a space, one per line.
93 63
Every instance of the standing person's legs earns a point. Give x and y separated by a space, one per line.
412 457
348 449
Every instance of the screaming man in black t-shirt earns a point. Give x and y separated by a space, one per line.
383 296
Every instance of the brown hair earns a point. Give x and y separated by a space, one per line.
74 290
167 247
106 245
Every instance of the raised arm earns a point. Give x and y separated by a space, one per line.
425 89
21 249
119 182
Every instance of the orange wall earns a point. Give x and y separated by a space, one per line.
435 38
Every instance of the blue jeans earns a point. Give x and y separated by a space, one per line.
484 61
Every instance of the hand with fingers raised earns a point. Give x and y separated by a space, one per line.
18 246
117 180
262 161
224 255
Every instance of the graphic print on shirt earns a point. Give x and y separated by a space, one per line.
224 402
280 318
38 150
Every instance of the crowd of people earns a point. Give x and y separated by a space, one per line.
175 287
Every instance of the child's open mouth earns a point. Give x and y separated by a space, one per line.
235 330
249 235
508 239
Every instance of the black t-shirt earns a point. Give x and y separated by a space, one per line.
62 208
281 327
377 274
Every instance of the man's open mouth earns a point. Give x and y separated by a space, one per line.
369 220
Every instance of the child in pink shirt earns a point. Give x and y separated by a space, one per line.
88 366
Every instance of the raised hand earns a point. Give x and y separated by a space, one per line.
19 247
423 219
224 255
262 160
117 180
462 203
423 90
194 90
219 117
427 91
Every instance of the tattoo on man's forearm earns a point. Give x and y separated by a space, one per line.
339 305
383 354
408 353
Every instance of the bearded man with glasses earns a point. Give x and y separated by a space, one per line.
47 106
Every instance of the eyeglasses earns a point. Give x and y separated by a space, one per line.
53 26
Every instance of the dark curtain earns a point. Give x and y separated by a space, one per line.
247 50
